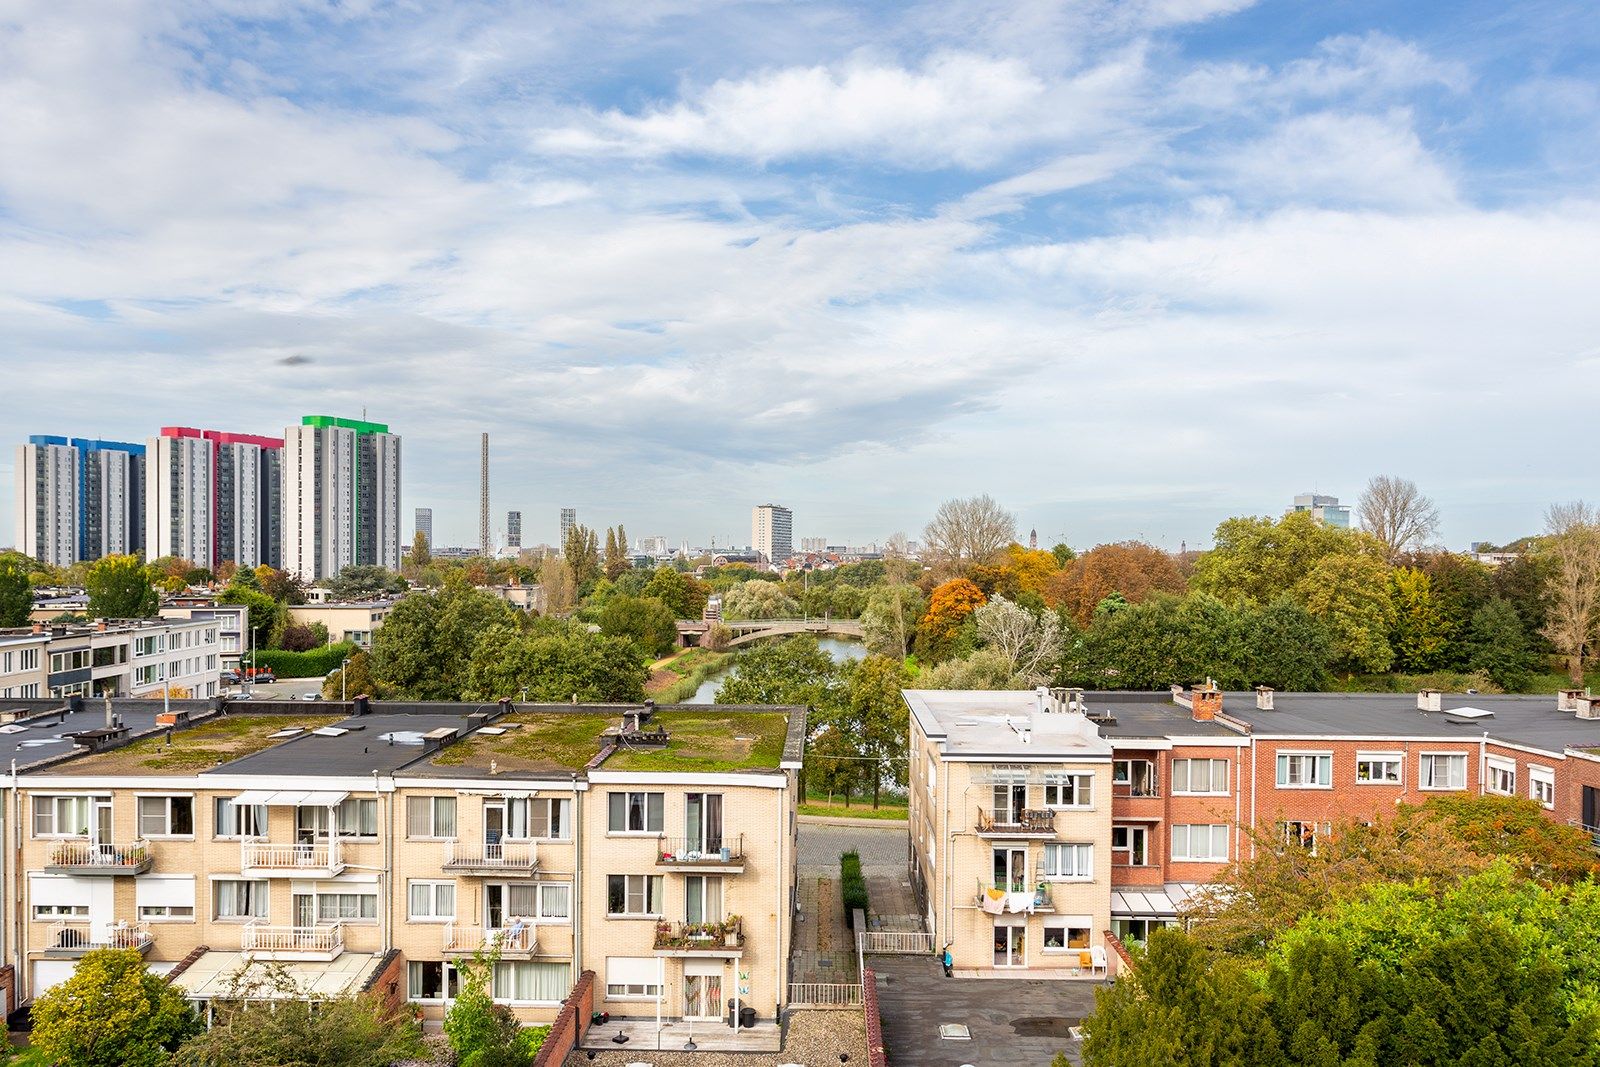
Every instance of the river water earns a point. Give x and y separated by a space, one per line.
839 648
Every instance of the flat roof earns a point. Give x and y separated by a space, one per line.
192 749
45 735
1003 724
228 974
357 744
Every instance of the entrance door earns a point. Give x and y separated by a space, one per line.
494 829
1009 946
1011 870
702 996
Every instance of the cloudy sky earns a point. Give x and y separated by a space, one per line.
1131 267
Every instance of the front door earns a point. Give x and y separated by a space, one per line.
494 830
702 996
1009 945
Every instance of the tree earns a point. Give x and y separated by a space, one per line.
281 586
972 530
303 636
482 1033
16 592
881 718
616 559
949 607
645 621
1350 595
366 583
684 595
1132 568
793 670
1419 636
889 619
581 551
758 599
987 668
119 588
1063 554
421 551
266 614
1286 647
1498 647
560 589
553 661
1259 559
427 641
1030 643
352 679
112 1012
1572 546
1017 573
1395 512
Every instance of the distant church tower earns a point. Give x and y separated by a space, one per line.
1033 538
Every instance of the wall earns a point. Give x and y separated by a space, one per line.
570 1025
877 1055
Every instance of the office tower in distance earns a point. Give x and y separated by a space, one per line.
179 496
484 548
569 519
341 496
813 544
248 474
47 500
1325 509
425 524
772 532
514 529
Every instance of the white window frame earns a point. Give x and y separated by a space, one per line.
342 899
1395 759
1500 776
653 890
631 990
1542 776
52 912
1183 769
433 886
433 803
1069 861
1081 786
1287 759
262 887
1294 832
1183 855
560 804
1130 829
660 812
163 913
1067 946
139 816
258 815
545 912
55 802
446 969
1427 759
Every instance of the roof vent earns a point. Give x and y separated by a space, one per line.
1264 698
1589 708
1429 700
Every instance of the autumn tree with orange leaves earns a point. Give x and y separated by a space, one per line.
949 607
1131 568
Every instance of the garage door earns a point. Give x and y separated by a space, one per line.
47 973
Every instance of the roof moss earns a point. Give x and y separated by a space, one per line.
540 742
716 739
196 748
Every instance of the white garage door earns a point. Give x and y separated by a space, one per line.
47 973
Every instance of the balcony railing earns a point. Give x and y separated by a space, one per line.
1024 823
707 938
86 857
74 938
1017 897
680 852
493 857
463 939
293 942
305 857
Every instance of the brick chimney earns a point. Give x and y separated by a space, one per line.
1264 698
1429 700
1207 702
100 625
38 627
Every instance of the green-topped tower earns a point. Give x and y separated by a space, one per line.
341 496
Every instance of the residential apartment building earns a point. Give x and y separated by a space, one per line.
115 657
23 660
248 473
569 519
180 496
1044 820
378 849
79 499
772 532
514 530
340 496
47 500
232 621
424 524
346 620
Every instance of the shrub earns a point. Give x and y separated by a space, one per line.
313 664
110 1013
852 886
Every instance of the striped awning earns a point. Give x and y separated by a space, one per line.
289 798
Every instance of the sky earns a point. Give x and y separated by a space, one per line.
1129 267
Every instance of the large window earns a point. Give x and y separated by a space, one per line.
555 901
702 899
1066 933
1442 770
1069 861
431 901
1305 770
239 898
1130 846
1200 843
332 906
636 813
1069 790
550 818
431 817
42 912
1137 777
433 980
633 894
532 983
60 816
355 817
235 821
1542 786
1200 776
1379 768
166 816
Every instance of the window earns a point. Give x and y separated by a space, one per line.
1203 843
1542 785
1305 770
1138 776
69 661
60 911
239 898
1304 834
166 913
633 976
431 901
1067 933
555 900
431 817
60 816
702 899
633 894
166 816
1502 778
236 821
1442 770
433 980
1069 861
636 813
356 817
1200 776
1069 791
532 983
550 818
1130 846
147 675
1137 931
1378 768
332 906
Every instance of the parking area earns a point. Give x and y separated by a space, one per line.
1014 1023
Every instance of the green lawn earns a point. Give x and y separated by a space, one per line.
860 808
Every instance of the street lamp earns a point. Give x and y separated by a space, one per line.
344 671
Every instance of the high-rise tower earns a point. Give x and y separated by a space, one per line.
772 532
341 496
514 529
484 548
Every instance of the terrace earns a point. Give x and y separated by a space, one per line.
724 938
72 938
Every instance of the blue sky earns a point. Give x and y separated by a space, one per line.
1129 267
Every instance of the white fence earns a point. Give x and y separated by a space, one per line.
824 995
894 943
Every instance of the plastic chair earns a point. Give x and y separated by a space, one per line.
1097 955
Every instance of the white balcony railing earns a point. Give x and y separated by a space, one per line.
495 855
294 940
70 936
276 856
463 938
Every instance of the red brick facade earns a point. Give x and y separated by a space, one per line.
566 1033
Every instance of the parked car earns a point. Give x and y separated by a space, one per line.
310 696
231 678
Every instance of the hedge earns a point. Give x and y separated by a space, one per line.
313 664
852 886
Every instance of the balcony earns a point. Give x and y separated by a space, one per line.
519 941
308 859
1016 897
71 939
84 857
679 854
293 943
1027 822
701 939
498 857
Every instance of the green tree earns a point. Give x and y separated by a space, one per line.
1259 559
427 641
1524 583
581 551
645 621
889 619
793 670
281 586
1286 647
553 661
1349 593
366 583
881 719
482 1033
112 1012
267 616
1063 553
305 1031
119 588
1461 585
758 600
16 592
684 596
1420 636
617 560
352 679
1498 646
421 551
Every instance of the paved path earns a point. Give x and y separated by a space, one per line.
824 947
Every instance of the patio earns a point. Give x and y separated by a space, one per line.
709 1036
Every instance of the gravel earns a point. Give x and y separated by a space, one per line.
814 1038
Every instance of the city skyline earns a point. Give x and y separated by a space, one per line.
1129 268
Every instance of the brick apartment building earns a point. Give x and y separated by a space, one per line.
1038 821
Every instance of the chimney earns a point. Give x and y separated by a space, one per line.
1207 702
362 705
38 627
100 625
1428 700
1589 708
1570 699
1264 698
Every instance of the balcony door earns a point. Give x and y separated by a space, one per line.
1010 946
100 829
505 903
1010 798
702 996
1011 869
305 911
703 822
702 899
494 829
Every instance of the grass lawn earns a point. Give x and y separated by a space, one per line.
860 808
229 737
674 678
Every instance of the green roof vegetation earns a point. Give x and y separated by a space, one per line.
541 741
717 739
196 748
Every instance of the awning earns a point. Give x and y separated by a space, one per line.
223 975
289 798
1138 902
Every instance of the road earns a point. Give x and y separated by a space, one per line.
284 689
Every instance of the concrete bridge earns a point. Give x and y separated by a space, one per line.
748 631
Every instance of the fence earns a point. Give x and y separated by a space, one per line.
895 943
824 995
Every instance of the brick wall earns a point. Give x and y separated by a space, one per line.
877 1055
389 982
572 1022
8 988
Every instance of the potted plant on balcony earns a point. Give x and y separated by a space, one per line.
730 932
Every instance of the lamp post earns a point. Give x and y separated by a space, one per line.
344 671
